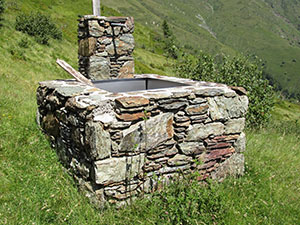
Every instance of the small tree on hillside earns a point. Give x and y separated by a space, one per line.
169 41
166 30
2 8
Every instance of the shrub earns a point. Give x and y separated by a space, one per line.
2 7
39 26
239 71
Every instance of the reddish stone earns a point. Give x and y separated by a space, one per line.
197 109
127 70
219 145
184 124
216 154
213 168
170 130
239 90
124 75
133 116
210 142
130 102
206 165
226 137
202 177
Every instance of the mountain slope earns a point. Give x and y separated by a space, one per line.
269 29
36 189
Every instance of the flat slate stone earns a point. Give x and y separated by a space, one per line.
134 101
148 134
114 170
179 160
240 144
173 106
191 148
234 126
196 109
99 140
222 108
202 131
132 116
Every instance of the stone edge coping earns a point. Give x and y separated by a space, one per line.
105 18
89 95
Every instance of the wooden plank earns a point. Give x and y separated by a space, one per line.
78 76
96 8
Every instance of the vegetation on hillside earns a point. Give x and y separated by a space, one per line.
36 189
169 41
239 71
2 2
268 29
39 26
2 8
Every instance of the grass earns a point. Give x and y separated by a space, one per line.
286 111
36 189
269 192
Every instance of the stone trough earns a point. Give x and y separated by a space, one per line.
118 142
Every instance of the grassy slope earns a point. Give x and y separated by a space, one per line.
181 17
34 187
286 111
251 27
270 37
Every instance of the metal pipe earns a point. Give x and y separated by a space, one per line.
96 8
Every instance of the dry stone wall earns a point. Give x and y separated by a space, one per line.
119 145
105 47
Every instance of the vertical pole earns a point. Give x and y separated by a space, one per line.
96 8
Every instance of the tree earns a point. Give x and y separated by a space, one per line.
166 30
169 41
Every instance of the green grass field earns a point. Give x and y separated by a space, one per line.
36 189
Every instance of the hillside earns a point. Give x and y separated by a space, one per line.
269 29
36 189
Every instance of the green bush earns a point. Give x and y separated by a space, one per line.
2 9
2 6
239 71
39 26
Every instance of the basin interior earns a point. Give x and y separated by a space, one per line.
135 84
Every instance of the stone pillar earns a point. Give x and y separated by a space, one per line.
105 47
